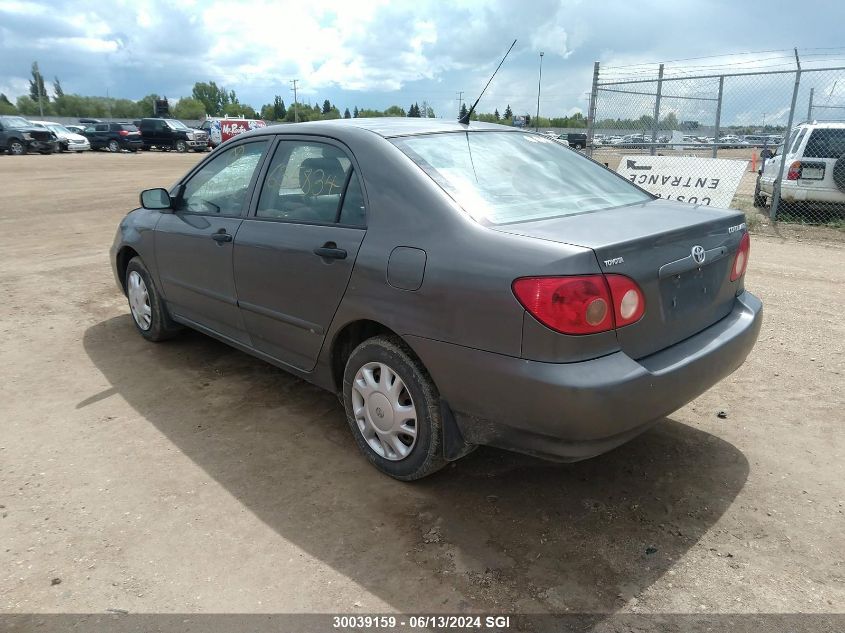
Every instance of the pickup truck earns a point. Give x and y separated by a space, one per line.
167 134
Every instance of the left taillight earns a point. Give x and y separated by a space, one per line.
582 304
741 258
123 133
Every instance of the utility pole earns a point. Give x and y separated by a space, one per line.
460 101
810 107
39 81
295 110
539 81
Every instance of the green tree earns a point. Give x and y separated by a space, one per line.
36 85
6 106
302 110
279 112
267 112
669 122
146 105
188 108
213 98
508 113
327 106
463 112
26 105
57 88
346 114
496 114
394 110
365 113
124 109
355 112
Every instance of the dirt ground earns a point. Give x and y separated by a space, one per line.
188 477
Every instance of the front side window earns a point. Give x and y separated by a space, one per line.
305 183
176 125
826 143
503 177
221 186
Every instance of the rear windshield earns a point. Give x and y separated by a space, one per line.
828 143
502 177
128 127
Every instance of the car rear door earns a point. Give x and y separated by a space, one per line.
294 253
193 245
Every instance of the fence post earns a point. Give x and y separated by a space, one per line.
718 117
773 214
810 106
656 123
591 115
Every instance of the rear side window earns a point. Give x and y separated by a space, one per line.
306 183
503 177
797 142
829 143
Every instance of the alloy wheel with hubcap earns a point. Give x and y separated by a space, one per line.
384 411
181 147
16 148
114 146
139 300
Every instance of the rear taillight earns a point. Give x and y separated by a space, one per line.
581 304
741 258
123 133
794 172
628 299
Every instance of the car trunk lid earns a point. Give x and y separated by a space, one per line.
653 244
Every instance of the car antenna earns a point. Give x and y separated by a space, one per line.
465 119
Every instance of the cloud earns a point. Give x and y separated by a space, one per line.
380 52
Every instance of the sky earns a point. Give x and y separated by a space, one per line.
373 54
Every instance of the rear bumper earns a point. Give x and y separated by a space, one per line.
578 410
791 191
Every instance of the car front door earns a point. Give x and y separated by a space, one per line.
295 251
193 245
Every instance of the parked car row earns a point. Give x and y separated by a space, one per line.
726 141
19 135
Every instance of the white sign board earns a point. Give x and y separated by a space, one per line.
708 181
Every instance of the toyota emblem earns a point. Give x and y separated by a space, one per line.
698 254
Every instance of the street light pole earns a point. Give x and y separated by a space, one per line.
295 110
539 80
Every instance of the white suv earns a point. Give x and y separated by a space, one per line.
815 167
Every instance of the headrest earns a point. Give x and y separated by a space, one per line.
321 176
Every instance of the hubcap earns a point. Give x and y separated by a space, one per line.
384 411
113 146
139 301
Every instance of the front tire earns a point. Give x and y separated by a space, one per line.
16 147
146 305
393 409
181 147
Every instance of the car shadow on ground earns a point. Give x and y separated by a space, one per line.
495 531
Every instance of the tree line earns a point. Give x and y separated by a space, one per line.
207 98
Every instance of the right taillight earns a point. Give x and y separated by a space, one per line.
741 258
583 304
794 172
628 299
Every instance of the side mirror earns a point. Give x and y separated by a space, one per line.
156 199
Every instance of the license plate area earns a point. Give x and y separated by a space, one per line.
685 294
812 171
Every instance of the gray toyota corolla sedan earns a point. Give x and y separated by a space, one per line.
456 285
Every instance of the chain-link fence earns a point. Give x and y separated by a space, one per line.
720 138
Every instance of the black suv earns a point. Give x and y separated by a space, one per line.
18 136
114 136
170 134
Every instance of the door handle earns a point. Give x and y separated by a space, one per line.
329 250
221 237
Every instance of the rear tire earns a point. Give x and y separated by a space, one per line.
382 384
759 198
146 306
114 146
